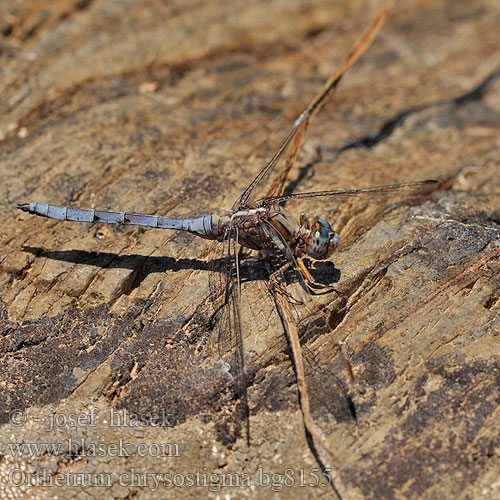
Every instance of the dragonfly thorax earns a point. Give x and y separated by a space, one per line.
321 240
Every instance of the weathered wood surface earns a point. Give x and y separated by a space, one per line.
113 317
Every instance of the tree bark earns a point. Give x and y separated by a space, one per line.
171 109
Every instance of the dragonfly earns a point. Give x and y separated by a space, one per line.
263 225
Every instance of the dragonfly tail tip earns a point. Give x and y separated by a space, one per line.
25 207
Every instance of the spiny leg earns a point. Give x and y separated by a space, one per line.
314 285
279 283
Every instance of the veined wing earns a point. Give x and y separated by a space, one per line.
237 316
390 190
225 290
294 138
294 308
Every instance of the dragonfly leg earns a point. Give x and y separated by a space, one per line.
314 284
304 221
277 277
305 272
280 271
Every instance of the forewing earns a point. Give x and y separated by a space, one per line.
391 191
293 141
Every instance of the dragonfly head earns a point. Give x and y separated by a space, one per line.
322 240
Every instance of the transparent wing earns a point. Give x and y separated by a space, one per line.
324 395
325 369
391 190
294 138
330 398
227 339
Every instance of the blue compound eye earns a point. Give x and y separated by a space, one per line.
322 240
325 224
318 245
